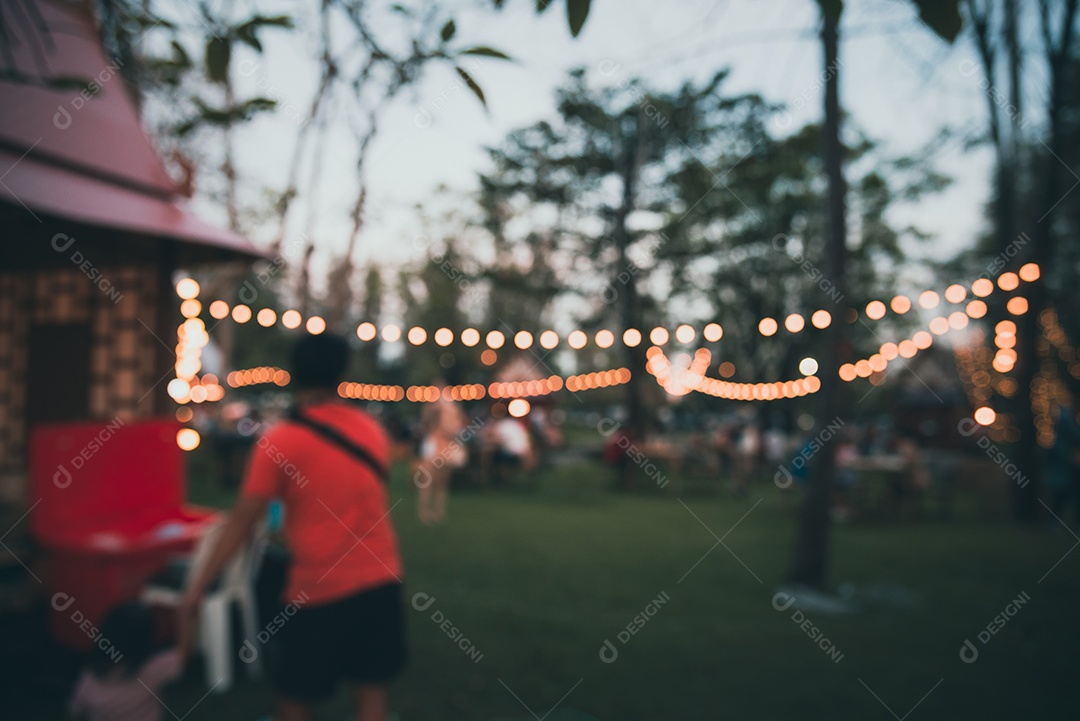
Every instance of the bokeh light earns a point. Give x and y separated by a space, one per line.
188 439
187 288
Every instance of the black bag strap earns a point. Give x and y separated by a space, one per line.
332 435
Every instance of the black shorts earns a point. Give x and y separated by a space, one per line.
360 639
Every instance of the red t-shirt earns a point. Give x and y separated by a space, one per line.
337 512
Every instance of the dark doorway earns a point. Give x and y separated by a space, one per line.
58 373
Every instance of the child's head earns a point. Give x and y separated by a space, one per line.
127 640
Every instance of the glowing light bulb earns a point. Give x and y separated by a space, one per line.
188 439
391 333
266 317
187 288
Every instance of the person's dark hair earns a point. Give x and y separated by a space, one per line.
127 640
319 361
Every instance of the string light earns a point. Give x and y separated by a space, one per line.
518 408
1017 305
820 319
241 314
266 317
470 337
188 288
364 331
188 439
955 293
685 334
258 376
982 287
192 336
291 319
417 335
1029 273
694 379
219 310
190 308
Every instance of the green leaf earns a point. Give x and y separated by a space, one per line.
542 5
448 30
181 57
218 52
831 10
472 85
259 21
942 16
247 35
486 52
186 128
577 12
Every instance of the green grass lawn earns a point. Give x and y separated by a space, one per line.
538 580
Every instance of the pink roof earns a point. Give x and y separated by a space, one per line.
82 154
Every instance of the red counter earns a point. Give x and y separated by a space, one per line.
108 509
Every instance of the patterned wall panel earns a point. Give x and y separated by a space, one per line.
120 305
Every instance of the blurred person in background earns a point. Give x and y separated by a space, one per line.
1063 465
125 675
441 451
327 463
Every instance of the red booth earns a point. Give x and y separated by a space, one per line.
108 509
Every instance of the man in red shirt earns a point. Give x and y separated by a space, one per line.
328 466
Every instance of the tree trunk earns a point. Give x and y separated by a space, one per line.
1024 501
1042 251
628 303
810 560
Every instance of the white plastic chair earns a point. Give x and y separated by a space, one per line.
236 583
